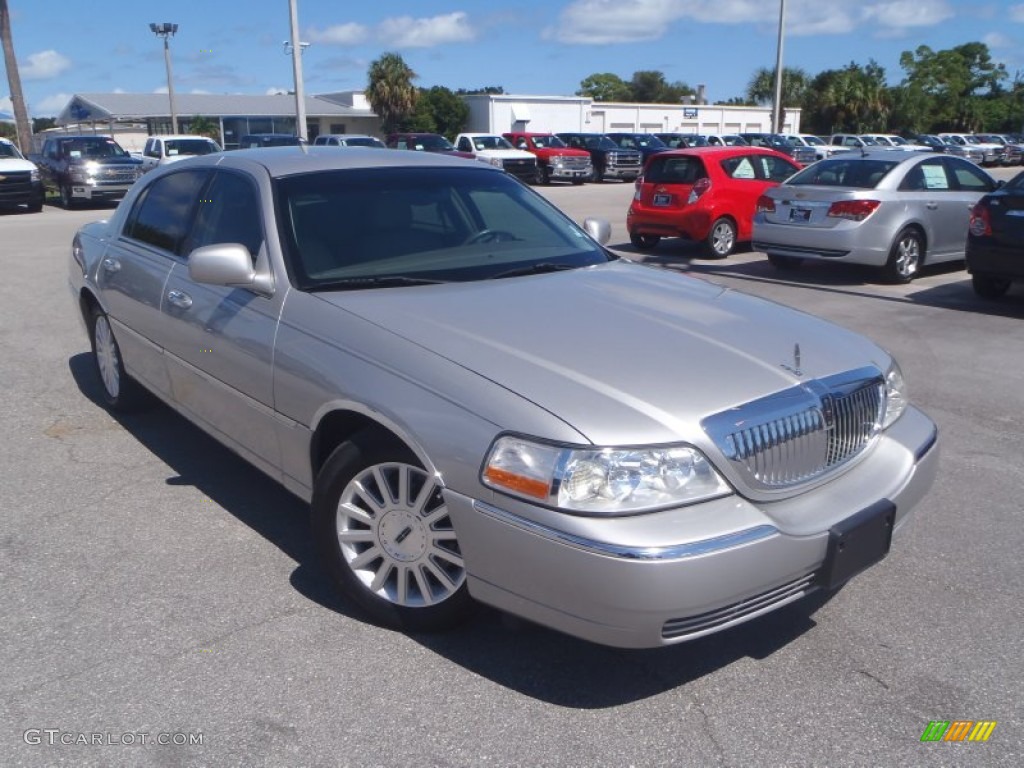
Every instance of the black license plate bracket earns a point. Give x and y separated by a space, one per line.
857 543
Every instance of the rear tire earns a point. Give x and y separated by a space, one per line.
784 262
721 240
990 286
906 257
545 176
644 242
120 391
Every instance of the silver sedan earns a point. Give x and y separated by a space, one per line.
480 402
890 209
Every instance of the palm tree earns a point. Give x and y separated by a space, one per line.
390 91
761 88
14 80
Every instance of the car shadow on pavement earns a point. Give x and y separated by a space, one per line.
961 297
513 653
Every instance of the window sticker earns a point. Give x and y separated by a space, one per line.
934 177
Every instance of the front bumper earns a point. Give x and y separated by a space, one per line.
626 173
638 582
99 191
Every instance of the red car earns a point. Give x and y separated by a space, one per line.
703 194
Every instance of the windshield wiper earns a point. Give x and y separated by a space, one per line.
371 281
534 269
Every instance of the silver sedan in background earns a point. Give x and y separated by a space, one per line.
890 209
481 402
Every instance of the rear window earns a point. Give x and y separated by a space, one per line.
845 172
674 170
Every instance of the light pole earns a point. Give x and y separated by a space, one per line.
166 31
296 50
777 106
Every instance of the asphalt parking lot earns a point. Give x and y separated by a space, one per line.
157 588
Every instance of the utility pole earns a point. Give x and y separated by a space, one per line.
300 94
167 31
777 106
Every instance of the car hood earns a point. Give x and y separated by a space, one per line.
621 352
15 164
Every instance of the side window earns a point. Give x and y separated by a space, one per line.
229 212
739 167
465 145
927 176
775 169
162 214
967 177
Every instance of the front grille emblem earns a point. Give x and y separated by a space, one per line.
795 367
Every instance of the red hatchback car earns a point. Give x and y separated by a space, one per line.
703 194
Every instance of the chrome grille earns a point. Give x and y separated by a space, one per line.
576 162
694 626
795 436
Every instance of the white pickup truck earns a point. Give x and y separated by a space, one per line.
498 151
160 150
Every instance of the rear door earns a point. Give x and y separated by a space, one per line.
749 176
968 184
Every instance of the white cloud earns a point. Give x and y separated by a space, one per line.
1017 12
199 91
339 34
600 22
160 89
901 14
6 105
997 40
277 91
407 32
44 65
51 105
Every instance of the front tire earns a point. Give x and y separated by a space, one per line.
120 391
906 257
721 240
384 533
990 286
67 200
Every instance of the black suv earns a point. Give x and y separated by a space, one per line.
610 161
802 154
646 144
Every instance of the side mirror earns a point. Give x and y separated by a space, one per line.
1001 183
599 229
222 264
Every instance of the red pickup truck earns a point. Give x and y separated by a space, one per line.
555 160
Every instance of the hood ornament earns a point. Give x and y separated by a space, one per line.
795 367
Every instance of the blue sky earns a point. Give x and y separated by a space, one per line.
525 46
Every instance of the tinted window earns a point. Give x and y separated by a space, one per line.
842 172
775 168
967 177
189 147
739 167
162 213
431 223
229 212
927 176
674 170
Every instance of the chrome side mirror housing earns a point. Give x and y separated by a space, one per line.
222 264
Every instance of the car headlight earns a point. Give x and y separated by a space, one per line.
895 395
78 174
496 162
601 481
34 174
558 160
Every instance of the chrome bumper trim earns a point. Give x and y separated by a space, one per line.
672 552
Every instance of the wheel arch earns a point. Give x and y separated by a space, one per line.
340 424
87 302
918 227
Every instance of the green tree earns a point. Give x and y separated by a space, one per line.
439 110
390 91
956 80
605 86
491 89
849 100
42 123
761 88
650 87
204 126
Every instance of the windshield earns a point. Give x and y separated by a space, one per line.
899 141
93 148
814 141
870 141
491 142
190 147
972 140
548 142
9 150
856 172
734 140
430 143
354 228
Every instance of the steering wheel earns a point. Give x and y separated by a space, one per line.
490 236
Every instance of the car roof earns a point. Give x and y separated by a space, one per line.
179 136
285 161
714 151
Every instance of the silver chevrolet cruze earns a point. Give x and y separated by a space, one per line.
890 209
482 403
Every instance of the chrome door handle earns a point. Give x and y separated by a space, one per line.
179 299
111 265
932 206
